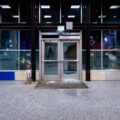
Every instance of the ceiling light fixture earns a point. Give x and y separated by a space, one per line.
71 16
102 16
48 22
5 6
114 7
75 6
45 6
15 16
47 16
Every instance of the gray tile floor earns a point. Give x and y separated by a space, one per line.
22 102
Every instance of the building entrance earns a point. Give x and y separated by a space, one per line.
61 58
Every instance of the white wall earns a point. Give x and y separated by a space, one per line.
95 75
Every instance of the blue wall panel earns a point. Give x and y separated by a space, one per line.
7 75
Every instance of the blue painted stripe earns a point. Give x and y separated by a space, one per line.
7 75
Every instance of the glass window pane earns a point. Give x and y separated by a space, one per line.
71 11
8 60
8 39
51 51
50 68
83 41
95 60
9 11
25 11
96 12
37 60
95 39
70 51
25 60
83 11
83 60
111 59
37 40
37 3
25 39
50 11
111 39
111 11
70 67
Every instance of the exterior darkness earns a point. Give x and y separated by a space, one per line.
98 19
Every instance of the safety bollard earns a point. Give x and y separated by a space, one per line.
28 76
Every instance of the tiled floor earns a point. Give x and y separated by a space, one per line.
101 101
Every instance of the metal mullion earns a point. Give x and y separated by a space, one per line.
101 50
8 50
101 12
39 12
60 11
81 13
50 60
70 60
19 11
22 50
18 49
95 50
40 56
15 50
110 50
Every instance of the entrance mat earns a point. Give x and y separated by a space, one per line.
78 85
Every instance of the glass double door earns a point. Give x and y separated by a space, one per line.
60 60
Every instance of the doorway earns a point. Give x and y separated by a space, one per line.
61 58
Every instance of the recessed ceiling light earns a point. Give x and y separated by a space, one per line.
95 22
75 6
71 16
102 16
15 16
45 6
5 6
114 7
48 22
47 16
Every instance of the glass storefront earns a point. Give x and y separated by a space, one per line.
104 44
15 49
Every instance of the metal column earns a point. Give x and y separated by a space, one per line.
33 53
87 40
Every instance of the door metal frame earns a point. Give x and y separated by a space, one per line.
51 77
57 39
72 76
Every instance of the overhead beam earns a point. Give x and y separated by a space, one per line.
54 26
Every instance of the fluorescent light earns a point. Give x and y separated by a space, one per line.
102 16
45 6
5 6
95 22
71 16
15 16
48 22
47 16
75 6
114 7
